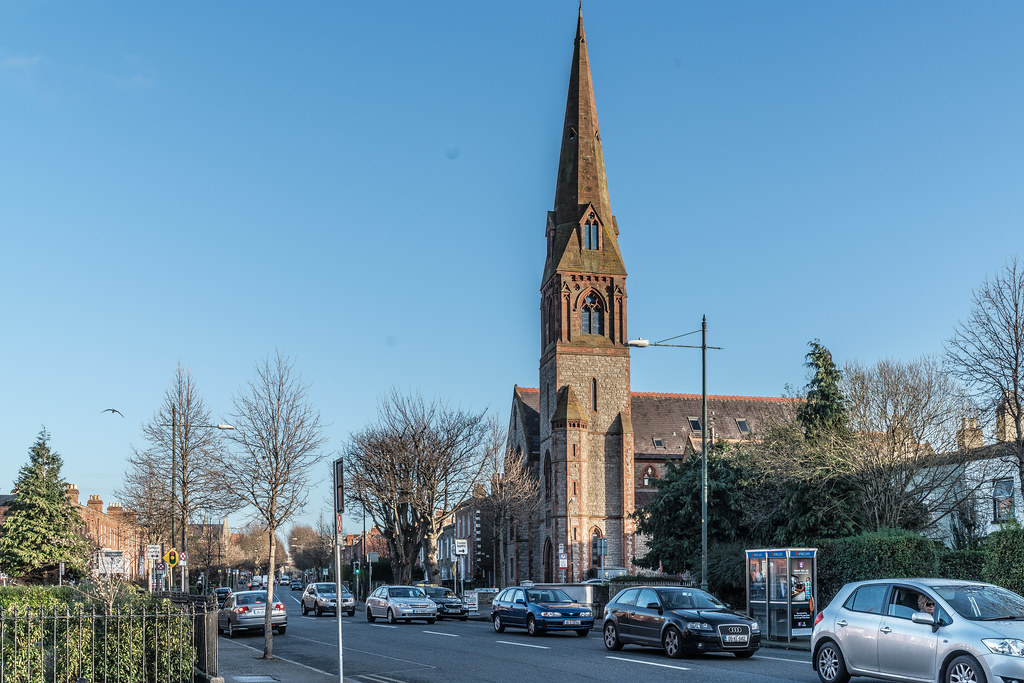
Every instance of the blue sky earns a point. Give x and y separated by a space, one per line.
364 187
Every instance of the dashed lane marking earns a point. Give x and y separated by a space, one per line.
640 661
509 642
439 633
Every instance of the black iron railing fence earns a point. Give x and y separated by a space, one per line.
132 645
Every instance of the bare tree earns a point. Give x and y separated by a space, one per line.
987 354
412 470
905 417
197 486
279 438
512 496
312 547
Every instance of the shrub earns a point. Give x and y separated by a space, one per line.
962 564
875 555
1004 558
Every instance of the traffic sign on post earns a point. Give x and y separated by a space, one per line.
339 486
171 557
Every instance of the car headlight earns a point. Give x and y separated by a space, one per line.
1005 646
403 605
754 628
551 614
586 614
698 626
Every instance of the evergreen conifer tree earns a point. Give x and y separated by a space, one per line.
824 415
41 528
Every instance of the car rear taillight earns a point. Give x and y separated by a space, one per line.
279 605
821 615
242 610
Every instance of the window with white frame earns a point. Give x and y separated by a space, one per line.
1002 500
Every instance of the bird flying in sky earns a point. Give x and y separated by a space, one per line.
113 410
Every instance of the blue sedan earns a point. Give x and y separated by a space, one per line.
539 610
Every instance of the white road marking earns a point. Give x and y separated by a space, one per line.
383 626
378 677
509 642
438 633
640 661
783 659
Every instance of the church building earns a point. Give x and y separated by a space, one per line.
594 445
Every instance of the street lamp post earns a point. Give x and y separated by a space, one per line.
641 343
174 480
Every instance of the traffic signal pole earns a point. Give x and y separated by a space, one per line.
339 509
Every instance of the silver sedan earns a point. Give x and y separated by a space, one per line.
403 603
246 610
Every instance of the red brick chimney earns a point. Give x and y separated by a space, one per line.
72 492
115 511
96 503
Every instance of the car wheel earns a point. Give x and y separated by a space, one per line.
431 621
352 613
746 654
830 664
463 618
965 669
531 626
391 617
611 636
319 612
231 631
369 616
672 641
305 611
498 626
281 630
582 632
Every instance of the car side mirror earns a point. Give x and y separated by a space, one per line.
654 605
520 601
925 618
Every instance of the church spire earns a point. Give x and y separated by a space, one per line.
581 176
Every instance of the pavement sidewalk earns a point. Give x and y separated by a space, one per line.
241 663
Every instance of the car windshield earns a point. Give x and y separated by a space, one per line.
440 592
689 598
982 603
406 592
548 595
325 588
251 599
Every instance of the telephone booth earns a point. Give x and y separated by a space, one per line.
782 586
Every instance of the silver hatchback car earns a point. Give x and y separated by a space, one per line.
921 630
400 602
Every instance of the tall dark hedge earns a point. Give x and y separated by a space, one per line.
875 555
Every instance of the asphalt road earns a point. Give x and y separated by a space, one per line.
450 651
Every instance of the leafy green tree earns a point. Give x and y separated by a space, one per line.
825 414
41 528
671 523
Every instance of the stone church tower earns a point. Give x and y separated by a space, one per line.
585 431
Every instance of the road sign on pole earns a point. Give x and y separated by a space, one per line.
171 557
461 546
339 486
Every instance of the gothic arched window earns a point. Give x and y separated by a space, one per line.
592 315
593 394
649 476
596 546
591 233
547 475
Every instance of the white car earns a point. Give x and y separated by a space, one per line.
403 603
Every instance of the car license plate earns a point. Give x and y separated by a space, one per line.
257 613
735 639
572 622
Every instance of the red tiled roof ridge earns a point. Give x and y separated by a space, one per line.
532 390
777 399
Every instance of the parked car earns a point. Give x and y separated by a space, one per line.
222 594
920 629
400 602
682 621
539 610
449 605
324 597
245 610
296 585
